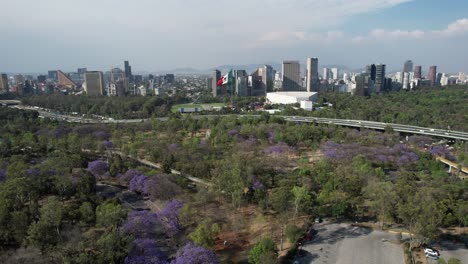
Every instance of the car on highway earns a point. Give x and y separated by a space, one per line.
429 250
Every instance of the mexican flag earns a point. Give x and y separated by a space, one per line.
226 79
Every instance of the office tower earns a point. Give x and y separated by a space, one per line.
169 78
278 76
363 85
335 73
128 71
345 77
52 75
242 86
432 75
117 74
418 72
405 80
64 81
399 77
444 80
118 88
18 79
461 77
4 88
214 86
41 78
379 78
291 76
408 66
371 71
312 75
94 83
439 78
82 70
326 74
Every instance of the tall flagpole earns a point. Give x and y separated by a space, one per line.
232 92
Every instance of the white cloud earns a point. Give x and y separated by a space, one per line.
456 28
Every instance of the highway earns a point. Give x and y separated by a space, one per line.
433 132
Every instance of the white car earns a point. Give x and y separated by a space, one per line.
432 256
431 251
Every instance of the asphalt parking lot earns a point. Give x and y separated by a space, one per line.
346 244
451 250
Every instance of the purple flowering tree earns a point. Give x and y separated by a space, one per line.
193 254
128 175
101 135
33 172
98 168
170 216
145 251
233 132
138 184
108 144
2 175
141 224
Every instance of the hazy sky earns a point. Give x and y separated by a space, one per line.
38 35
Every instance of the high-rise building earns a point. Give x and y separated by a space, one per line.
371 71
4 88
408 66
82 70
418 72
379 78
18 79
128 70
405 80
335 73
214 86
41 78
64 81
52 75
118 88
461 77
94 83
432 75
326 74
291 76
439 78
312 75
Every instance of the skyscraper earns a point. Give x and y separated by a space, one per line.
94 83
418 72
371 71
214 86
326 74
408 66
4 88
128 70
335 73
432 75
312 75
52 75
379 78
291 76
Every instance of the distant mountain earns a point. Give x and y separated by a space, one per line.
249 68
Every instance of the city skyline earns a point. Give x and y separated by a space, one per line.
195 34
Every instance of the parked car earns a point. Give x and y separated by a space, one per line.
432 256
429 250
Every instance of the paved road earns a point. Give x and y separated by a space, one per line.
345 244
459 135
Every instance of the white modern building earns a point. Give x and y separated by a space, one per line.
290 97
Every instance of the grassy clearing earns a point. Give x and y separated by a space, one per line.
175 108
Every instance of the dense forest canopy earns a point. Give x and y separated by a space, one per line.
78 193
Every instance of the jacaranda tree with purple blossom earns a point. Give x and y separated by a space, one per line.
145 251
193 254
98 168
141 224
